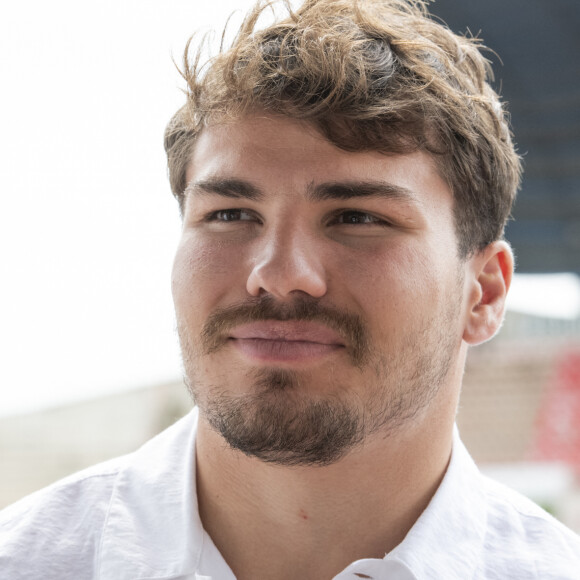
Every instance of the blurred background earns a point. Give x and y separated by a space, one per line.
89 365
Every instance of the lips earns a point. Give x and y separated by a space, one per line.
287 341
290 331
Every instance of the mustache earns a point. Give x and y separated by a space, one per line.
349 325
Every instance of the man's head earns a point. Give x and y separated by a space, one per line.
344 177
370 75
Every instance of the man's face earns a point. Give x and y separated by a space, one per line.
318 292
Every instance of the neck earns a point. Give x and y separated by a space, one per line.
265 518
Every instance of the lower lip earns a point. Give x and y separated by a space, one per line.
277 351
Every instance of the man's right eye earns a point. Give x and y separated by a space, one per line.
230 215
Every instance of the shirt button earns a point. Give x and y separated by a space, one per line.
373 569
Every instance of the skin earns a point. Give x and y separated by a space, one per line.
391 261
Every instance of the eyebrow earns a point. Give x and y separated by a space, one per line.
345 190
340 190
233 188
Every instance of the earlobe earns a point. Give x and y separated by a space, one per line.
491 271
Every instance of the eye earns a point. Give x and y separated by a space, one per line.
354 217
231 215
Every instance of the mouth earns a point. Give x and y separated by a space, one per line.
273 341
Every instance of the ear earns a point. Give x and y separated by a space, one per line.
491 275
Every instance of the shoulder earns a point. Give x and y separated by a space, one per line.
522 536
59 533
61 522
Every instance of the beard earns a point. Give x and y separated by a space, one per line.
275 426
280 422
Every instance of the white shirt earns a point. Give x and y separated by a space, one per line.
136 518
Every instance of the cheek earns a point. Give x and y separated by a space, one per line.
395 288
395 272
202 275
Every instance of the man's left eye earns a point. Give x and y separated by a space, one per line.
353 217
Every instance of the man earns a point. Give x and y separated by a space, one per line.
344 177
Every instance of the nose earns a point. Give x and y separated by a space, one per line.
286 261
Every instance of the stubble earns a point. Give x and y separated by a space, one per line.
283 421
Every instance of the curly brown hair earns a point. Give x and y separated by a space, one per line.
369 75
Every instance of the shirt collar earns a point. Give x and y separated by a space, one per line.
449 535
153 527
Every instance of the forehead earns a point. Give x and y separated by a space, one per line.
266 150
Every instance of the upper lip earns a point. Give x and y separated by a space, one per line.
290 331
